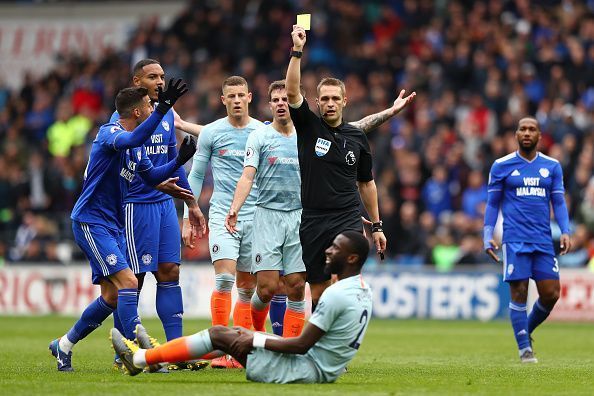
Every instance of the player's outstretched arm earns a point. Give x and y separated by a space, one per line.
245 342
244 186
188 127
155 175
293 79
142 132
372 121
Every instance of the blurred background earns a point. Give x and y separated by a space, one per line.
477 67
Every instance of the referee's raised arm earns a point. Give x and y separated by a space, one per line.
294 70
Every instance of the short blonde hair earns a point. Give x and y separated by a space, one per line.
335 82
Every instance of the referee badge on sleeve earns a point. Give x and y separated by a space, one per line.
322 147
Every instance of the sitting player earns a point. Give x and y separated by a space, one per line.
328 343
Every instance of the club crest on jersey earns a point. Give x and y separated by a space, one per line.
165 125
350 158
544 172
114 128
146 259
139 155
112 259
322 147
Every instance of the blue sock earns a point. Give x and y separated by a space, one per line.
128 311
537 316
91 318
170 308
278 306
519 321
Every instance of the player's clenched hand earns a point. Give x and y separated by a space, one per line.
231 221
170 188
401 102
299 37
379 240
490 250
565 244
187 234
186 150
198 223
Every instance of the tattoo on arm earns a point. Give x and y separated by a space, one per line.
372 121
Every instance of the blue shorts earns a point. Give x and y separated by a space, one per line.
528 260
152 235
105 248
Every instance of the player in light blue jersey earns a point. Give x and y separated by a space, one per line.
222 143
152 229
271 159
328 343
524 184
98 218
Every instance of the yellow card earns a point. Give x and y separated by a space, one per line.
304 20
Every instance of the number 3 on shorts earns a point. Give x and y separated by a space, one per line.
556 266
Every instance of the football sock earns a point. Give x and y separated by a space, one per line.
519 321
128 311
170 308
537 316
278 306
259 311
91 318
196 346
294 319
242 313
220 300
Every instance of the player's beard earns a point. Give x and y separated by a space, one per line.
528 148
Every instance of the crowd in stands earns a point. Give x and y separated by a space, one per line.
477 67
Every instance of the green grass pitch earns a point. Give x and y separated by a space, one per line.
396 357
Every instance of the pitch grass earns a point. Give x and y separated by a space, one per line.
396 357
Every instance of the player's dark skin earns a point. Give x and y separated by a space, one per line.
238 341
528 136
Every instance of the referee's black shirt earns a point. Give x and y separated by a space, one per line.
331 160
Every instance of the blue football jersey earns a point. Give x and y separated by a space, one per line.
160 149
527 187
107 179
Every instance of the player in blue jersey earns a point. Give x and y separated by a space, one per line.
98 218
271 159
152 229
319 355
524 184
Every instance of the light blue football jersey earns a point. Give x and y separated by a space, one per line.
277 162
224 146
343 312
527 187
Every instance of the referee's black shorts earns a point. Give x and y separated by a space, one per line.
317 231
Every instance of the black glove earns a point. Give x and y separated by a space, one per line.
168 97
186 150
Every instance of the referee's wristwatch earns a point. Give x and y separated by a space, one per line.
377 227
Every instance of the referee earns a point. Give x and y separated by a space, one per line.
335 162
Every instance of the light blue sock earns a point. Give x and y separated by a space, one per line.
170 308
91 318
537 316
257 303
519 321
128 311
224 282
278 306
297 306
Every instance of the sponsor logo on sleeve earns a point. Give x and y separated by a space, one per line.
350 158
